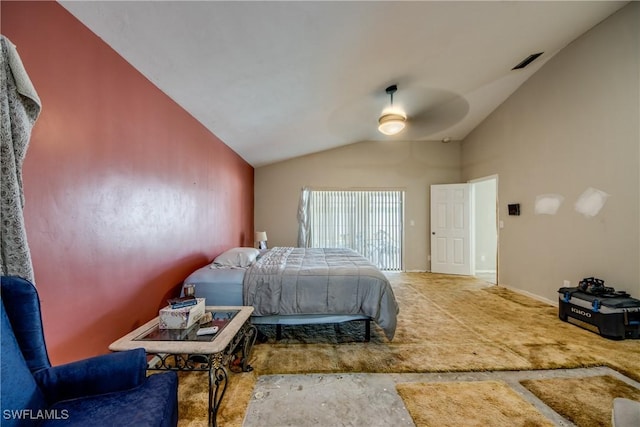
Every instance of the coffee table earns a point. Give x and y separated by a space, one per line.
184 350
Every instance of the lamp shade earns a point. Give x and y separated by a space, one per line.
391 124
261 236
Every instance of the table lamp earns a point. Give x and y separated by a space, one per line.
261 238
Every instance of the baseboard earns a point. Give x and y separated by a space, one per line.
531 295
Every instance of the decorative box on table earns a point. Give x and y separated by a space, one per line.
181 318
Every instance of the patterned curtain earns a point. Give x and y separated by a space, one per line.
20 109
304 225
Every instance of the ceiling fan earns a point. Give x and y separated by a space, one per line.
393 120
417 113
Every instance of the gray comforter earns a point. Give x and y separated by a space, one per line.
288 281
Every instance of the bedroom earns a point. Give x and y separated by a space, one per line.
121 213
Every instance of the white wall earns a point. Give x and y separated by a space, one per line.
573 125
410 166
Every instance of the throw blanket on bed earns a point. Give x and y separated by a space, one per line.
289 281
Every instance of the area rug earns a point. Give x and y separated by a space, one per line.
470 404
586 402
446 324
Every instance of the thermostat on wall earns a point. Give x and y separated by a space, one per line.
514 209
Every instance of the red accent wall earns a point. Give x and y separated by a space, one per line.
126 193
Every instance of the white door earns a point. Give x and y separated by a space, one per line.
451 229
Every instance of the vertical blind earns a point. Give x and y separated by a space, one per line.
369 222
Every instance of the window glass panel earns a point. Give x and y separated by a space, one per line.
369 222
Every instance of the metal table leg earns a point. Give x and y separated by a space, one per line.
218 379
250 334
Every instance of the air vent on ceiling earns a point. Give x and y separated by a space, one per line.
528 60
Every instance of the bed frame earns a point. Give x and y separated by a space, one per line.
312 319
230 294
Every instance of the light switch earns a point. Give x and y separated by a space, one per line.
501 223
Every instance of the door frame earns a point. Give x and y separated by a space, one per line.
472 224
493 177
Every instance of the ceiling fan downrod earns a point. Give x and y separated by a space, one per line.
391 90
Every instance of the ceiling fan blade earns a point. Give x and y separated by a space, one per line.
436 118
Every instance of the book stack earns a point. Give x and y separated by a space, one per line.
182 302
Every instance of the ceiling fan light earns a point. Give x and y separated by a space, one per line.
391 124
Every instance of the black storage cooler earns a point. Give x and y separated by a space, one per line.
615 316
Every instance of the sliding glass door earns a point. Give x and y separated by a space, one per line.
370 222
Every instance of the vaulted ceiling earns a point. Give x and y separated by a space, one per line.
277 80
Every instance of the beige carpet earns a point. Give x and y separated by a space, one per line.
469 404
586 402
446 323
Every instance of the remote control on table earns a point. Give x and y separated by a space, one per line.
207 331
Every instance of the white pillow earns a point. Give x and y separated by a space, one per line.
237 257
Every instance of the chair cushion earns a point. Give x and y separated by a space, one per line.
19 389
155 403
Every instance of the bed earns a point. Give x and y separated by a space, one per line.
293 286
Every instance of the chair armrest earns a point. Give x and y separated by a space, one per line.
96 375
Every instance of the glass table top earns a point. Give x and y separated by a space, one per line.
220 319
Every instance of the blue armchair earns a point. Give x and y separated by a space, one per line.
107 390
